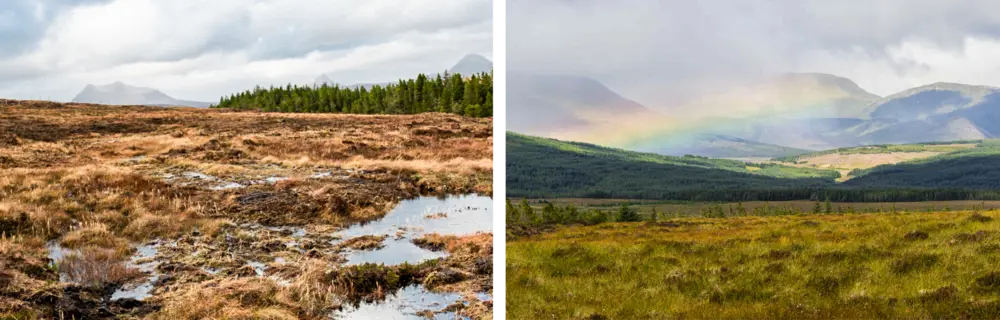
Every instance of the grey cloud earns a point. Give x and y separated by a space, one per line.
674 48
307 36
230 45
21 27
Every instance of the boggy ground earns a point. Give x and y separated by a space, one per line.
221 214
939 265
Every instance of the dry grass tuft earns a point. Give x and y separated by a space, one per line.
313 290
243 298
94 235
96 267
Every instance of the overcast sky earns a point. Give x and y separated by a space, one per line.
659 51
203 49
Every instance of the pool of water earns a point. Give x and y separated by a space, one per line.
140 260
56 252
465 214
404 304
227 186
395 252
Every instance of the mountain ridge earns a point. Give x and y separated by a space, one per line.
119 93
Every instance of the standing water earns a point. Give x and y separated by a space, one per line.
404 304
410 219
452 215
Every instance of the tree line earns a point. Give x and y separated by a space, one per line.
524 214
470 96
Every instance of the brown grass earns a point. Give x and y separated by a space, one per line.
365 242
103 179
313 291
245 298
96 267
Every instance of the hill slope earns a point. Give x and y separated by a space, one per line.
541 167
969 168
118 93
716 146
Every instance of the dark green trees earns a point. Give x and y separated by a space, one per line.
453 93
627 214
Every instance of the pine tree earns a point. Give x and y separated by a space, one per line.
627 214
526 212
487 109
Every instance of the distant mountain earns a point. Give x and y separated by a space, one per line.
935 112
468 65
583 109
118 93
543 104
928 101
471 64
792 95
323 79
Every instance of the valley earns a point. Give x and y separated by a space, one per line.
136 212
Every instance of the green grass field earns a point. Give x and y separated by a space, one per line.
917 265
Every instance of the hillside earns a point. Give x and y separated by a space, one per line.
716 146
973 167
541 167
118 93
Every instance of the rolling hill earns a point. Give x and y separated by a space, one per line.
118 93
542 167
547 168
966 164
716 146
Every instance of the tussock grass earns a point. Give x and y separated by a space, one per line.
243 298
102 180
96 267
313 290
861 266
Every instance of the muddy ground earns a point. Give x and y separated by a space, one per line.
143 212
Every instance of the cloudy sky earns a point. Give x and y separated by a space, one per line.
202 49
660 51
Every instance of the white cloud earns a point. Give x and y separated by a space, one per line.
911 63
200 50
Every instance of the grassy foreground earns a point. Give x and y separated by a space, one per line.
852 266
